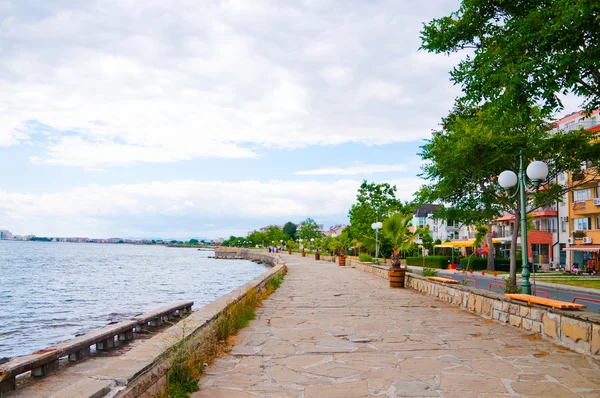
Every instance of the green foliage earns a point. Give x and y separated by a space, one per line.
274 235
429 261
464 159
397 229
365 258
429 272
510 286
427 239
290 229
438 242
193 241
308 230
373 202
526 52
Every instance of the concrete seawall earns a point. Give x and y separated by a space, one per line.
270 259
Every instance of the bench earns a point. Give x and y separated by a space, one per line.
563 305
442 280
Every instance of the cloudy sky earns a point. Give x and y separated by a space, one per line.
208 118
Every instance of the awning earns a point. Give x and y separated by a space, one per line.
587 248
447 245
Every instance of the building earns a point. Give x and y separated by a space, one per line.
579 214
5 234
335 230
424 216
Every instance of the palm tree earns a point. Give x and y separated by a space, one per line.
397 229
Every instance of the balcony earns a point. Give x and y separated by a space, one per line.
585 207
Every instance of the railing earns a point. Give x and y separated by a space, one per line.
471 280
497 284
43 362
542 292
585 299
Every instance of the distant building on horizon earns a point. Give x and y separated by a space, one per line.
5 234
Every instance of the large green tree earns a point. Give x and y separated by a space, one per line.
464 159
309 229
290 229
522 52
274 235
374 202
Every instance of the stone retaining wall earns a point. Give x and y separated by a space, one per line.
270 259
577 330
148 378
378 270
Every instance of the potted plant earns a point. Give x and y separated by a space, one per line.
317 243
303 253
342 242
290 245
396 227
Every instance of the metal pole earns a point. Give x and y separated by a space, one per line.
376 245
525 284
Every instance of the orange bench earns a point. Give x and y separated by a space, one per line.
443 280
563 305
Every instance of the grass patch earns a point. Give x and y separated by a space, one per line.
189 359
592 284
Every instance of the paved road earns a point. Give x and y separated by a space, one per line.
483 282
334 331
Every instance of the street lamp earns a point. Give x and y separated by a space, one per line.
281 243
537 172
312 241
377 226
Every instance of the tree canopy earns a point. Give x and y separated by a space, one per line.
308 230
290 229
374 202
522 52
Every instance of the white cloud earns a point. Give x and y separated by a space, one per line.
357 169
124 82
102 211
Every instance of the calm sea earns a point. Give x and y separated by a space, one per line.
50 292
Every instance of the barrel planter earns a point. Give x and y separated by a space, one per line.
396 276
317 256
341 261
303 253
289 251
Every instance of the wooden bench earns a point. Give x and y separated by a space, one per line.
442 280
563 305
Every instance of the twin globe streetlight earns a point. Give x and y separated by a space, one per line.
537 172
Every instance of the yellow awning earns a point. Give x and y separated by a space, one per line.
445 245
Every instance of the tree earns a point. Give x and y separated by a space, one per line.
274 235
308 230
427 240
374 202
290 229
397 229
525 52
464 159
193 241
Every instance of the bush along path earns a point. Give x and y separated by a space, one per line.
189 359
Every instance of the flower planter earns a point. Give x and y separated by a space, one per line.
290 251
341 261
303 254
317 256
397 276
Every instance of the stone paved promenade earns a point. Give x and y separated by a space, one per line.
333 331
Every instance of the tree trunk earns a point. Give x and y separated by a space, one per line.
491 255
513 249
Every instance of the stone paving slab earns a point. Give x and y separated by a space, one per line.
333 331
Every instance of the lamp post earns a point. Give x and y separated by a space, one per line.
312 241
281 244
537 172
377 226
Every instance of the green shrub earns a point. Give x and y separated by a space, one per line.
429 272
365 258
479 264
429 261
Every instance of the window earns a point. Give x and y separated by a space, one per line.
565 226
597 222
582 195
422 221
580 224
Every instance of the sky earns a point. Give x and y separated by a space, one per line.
198 118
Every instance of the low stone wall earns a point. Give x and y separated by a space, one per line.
270 259
378 270
144 369
577 330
